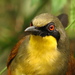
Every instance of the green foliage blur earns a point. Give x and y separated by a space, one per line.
16 15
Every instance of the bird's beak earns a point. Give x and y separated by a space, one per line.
32 30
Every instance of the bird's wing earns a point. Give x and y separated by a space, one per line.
71 66
14 51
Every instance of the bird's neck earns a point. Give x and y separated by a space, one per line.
43 53
43 58
43 43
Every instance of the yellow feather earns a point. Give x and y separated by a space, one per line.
42 53
41 58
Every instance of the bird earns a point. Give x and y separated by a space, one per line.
44 50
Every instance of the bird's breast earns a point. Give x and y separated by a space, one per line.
42 57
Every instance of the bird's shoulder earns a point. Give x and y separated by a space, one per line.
14 51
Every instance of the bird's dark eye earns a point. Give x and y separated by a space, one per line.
31 24
51 27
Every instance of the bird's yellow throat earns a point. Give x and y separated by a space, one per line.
43 43
43 53
42 57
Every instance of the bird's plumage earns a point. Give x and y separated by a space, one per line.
13 54
41 51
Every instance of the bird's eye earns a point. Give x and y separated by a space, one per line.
51 27
31 24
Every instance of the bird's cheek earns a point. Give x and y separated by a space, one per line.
43 34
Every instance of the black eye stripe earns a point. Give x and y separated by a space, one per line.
44 31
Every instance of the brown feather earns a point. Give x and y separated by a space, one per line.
71 65
9 72
14 52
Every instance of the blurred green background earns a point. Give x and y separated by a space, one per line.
16 15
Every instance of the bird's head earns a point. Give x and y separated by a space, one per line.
48 39
48 25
